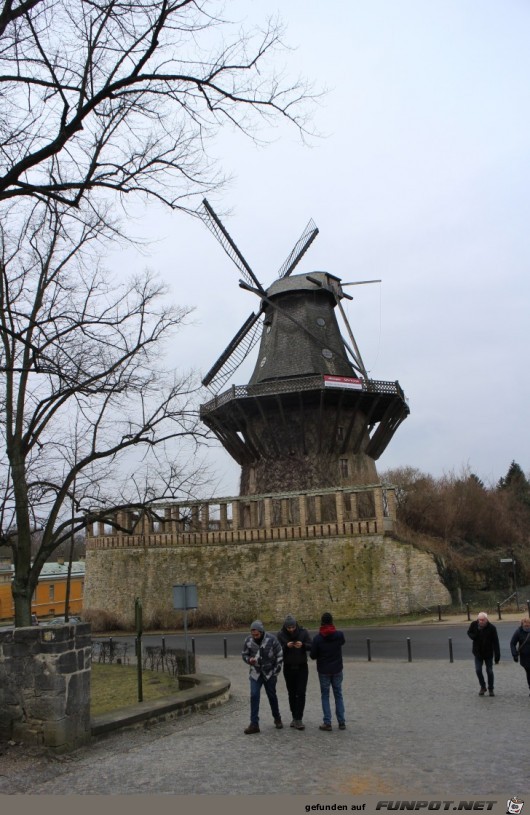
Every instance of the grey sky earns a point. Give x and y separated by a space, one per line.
422 179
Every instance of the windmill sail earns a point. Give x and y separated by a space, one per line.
216 228
234 354
300 248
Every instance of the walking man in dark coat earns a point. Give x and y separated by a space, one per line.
520 647
485 649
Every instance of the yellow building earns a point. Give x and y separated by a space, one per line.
50 594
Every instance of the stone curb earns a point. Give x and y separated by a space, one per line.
207 691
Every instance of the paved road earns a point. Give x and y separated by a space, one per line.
389 642
411 726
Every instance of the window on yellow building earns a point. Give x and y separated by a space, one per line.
52 592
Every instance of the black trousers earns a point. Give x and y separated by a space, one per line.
526 666
296 677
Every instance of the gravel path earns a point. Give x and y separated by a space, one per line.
411 726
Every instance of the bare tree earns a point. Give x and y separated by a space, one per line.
121 95
101 98
81 384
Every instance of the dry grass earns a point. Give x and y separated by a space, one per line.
116 686
214 615
102 620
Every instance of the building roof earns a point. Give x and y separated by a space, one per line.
52 570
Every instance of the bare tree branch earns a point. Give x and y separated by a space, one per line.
113 97
12 11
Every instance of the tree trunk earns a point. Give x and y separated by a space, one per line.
22 592
22 584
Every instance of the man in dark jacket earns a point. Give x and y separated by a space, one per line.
327 650
485 648
295 642
263 653
520 647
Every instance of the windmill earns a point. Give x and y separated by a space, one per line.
310 416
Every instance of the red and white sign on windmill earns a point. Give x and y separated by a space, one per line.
349 382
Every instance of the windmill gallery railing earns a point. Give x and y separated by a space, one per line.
349 511
306 383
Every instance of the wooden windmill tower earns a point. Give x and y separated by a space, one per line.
310 417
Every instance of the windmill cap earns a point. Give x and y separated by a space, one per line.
329 284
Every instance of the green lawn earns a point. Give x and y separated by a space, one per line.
115 686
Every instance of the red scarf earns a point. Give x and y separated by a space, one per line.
327 629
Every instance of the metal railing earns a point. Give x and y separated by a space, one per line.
298 384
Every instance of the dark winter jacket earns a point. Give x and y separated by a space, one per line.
268 652
485 641
294 657
520 646
327 650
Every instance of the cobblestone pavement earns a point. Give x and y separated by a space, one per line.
411 726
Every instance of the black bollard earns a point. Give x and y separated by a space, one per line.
439 612
499 611
451 650
528 607
193 645
163 646
369 649
225 647
468 614
409 649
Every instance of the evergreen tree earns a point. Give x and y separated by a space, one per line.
516 483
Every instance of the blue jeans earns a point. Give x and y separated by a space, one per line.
488 662
334 681
270 690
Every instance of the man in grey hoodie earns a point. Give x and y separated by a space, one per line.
263 652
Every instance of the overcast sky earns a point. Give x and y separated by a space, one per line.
421 179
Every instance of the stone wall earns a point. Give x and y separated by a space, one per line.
352 576
45 685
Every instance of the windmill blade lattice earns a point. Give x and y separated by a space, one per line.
234 354
217 229
300 248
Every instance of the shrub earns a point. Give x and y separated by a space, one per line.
217 614
163 618
102 620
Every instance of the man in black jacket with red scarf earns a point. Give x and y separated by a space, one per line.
327 650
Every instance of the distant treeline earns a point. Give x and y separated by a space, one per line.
467 525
